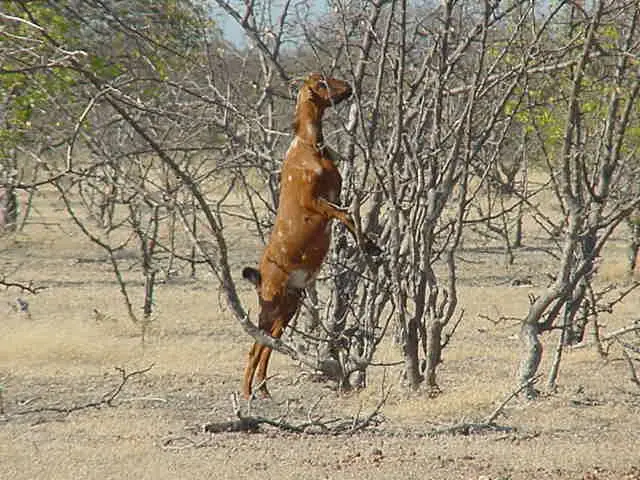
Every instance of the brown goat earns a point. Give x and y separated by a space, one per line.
309 189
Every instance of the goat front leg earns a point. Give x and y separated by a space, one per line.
342 214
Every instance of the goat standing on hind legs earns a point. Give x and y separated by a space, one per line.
309 189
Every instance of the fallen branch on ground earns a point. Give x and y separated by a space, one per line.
317 426
486 425
28 287
107 399
341 426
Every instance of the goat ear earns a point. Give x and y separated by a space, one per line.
252 275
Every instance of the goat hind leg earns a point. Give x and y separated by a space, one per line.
290 307
265 323
263 364
252 363
261 373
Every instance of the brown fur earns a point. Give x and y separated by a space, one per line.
309 188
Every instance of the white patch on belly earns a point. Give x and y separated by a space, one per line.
300 279
311 130
292 146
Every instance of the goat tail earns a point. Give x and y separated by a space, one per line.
253 275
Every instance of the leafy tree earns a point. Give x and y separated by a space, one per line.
585 133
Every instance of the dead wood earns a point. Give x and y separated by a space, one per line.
25 287
632 368
348 426
489 423
313 426
613 336
106 400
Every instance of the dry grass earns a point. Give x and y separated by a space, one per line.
65 354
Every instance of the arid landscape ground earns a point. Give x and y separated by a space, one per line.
72 346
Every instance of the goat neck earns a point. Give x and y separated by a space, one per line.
308 124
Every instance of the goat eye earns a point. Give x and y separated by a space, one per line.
322 84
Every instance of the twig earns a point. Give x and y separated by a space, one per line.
24 287
492 418
336 426
21 20
468 428
171 443
500 319
488 424
362 424
635 327
106 399
632 367
448 336
144 399
313 407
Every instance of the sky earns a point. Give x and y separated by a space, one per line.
234 33
231 30
309 9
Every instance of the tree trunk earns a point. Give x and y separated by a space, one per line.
573 330
149 284
8 210
634 244
555 365
532 354
517 236
434 351
411 358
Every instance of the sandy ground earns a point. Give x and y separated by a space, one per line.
74 345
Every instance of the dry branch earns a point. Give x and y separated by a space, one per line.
107 399
335 426
613 336
28 287
488 424
632 368
349 426
491 418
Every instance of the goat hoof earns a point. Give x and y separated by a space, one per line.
260 394
263 394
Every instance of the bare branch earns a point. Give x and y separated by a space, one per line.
107 399
22 286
